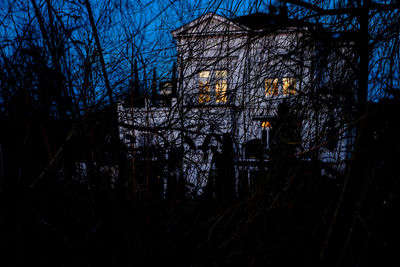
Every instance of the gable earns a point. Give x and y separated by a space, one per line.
208 24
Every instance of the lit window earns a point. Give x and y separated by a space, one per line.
221 86
265 124
204 86
204 74
289 86
271 87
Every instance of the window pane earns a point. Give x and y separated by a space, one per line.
220 91
204 92
204 86
289 86
265 124
271 87
204 74
221 73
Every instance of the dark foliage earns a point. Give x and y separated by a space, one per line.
70 194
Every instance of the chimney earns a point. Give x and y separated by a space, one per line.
272 9
283 11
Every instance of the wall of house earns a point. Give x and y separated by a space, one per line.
248 59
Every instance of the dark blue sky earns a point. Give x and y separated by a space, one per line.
129 29
159 18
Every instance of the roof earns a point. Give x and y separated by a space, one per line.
207 18
259 20
254 22
263 21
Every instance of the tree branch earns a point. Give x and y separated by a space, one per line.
342 11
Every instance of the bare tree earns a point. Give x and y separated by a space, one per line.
247 133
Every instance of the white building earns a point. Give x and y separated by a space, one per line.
235 76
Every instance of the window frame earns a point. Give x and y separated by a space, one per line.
265 131
289 86
216 79
221 86
280 87
273 87
204 94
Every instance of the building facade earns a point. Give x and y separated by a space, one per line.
248 90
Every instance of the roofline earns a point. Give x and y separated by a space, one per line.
199 20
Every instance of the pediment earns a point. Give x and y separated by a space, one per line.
209 24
